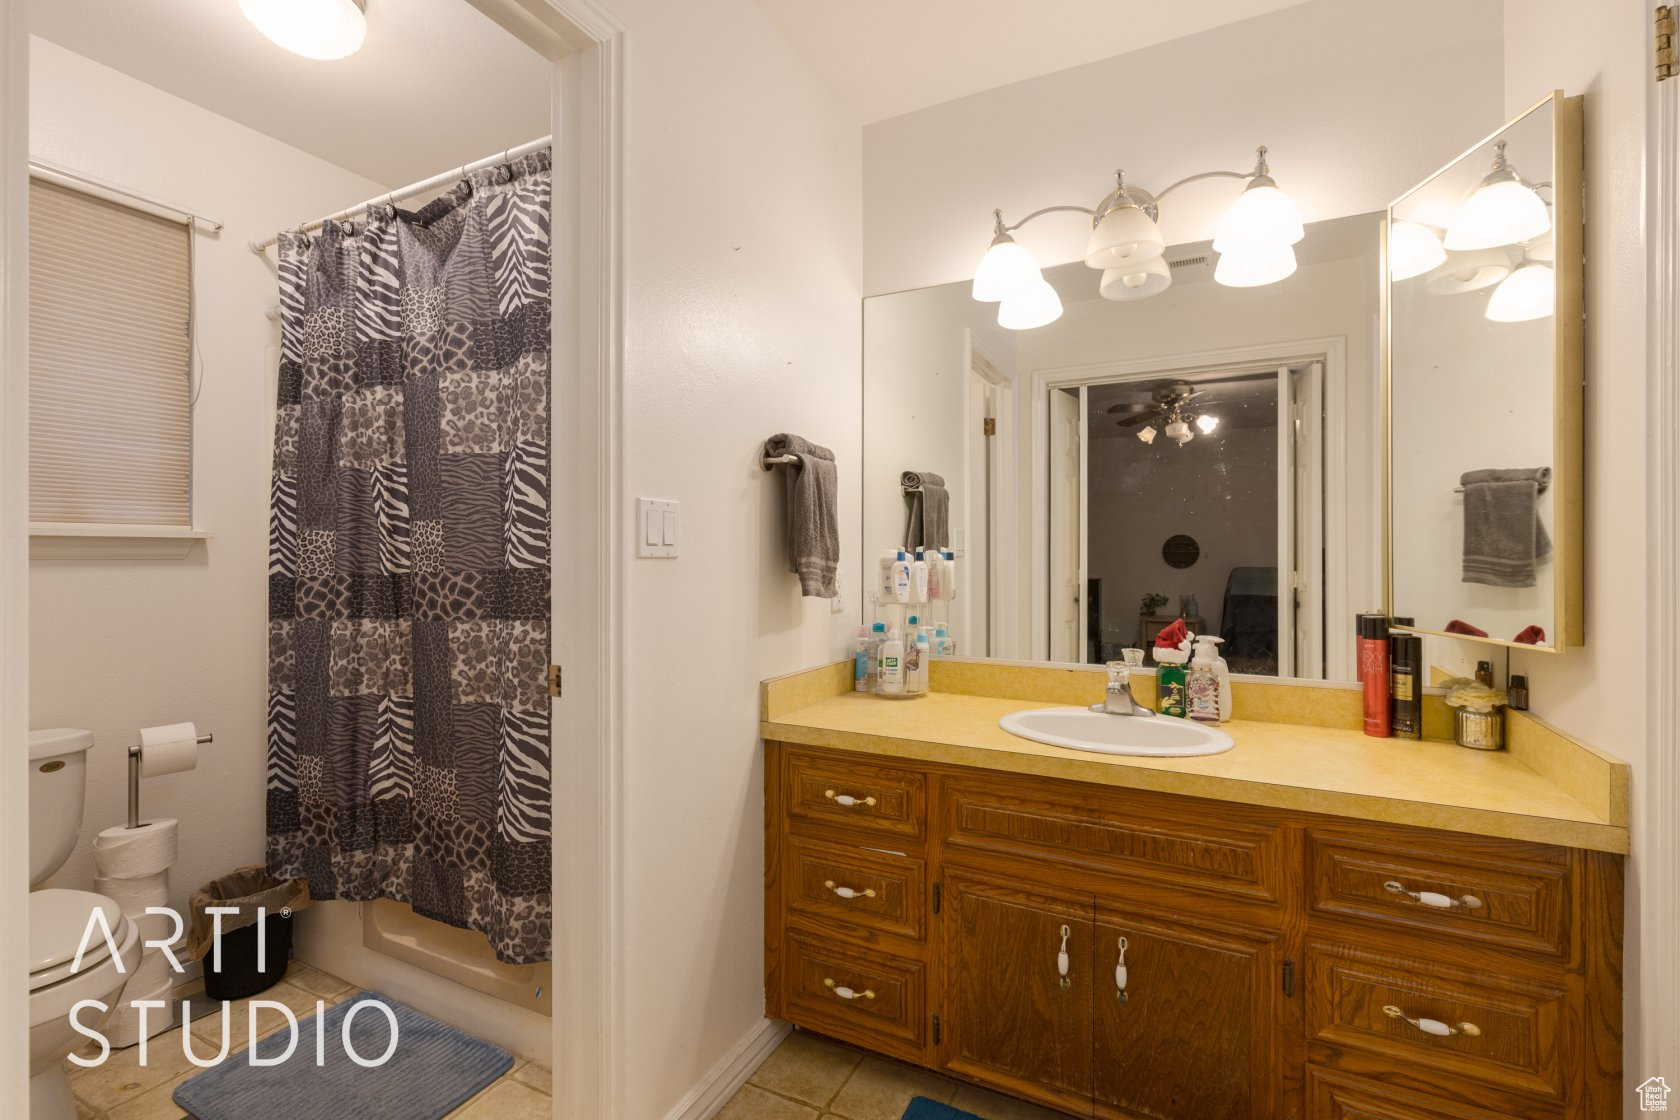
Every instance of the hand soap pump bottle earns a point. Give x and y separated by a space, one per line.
1207 656
1170 681
1202 685
892 665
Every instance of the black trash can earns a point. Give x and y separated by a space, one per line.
252 893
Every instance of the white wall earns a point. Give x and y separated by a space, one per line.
1602 51
1357 99
742 265
119 644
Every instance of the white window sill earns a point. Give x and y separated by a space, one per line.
112 542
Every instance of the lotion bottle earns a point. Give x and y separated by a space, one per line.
919 580
901 579
935 576
948 583
924 653
892 664
1202 684
877 639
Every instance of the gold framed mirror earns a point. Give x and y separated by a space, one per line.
1483 365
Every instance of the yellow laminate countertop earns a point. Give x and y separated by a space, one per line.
1324 770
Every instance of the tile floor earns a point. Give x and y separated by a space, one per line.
813 1078
121 1089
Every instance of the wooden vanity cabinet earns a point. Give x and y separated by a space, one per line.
1278 965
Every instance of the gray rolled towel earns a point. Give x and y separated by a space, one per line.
1503 537
813 529
927 511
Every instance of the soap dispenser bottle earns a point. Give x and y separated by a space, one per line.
1221 672
1171 681
877 639
892 665
1202 685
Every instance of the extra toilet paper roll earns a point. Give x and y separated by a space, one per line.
132 896
127 853
123 1027
152 971
168 749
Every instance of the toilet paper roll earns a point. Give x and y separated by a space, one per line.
154 969
168 749
123 1027
127 853
132 896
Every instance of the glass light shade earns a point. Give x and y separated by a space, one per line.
1468 272
1147 433
1544 248
1030 307
319 29
1413 249
1253 269
1262 218
1006 268
1502 212
1152 279
1180 431
1528 293
1126 238
1207 423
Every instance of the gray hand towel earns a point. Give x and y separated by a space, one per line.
927 511
1503 537
813 490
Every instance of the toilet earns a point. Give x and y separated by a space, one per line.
57 920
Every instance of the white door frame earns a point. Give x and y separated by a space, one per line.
14 539
1657 832
1331 350
587 46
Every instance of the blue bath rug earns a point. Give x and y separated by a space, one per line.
923 1109
432 1071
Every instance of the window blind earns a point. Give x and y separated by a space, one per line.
109 330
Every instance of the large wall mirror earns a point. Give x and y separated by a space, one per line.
1485 364
1210 452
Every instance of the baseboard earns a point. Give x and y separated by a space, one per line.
706 1099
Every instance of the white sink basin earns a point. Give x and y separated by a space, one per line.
1081 729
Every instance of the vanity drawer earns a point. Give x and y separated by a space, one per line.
1505 1030
1337 1096
848 793
872 999
1094 828
1505 893
875 890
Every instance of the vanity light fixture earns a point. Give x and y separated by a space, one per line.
1528 293
1256 236
1505 209
1468 272
318 29
1413 249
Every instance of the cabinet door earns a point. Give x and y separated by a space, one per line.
1192 1033
1012 1018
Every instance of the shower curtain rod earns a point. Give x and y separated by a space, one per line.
448 177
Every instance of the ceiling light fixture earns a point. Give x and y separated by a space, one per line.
319 29
1505 209
1147 434
1413 249
1126 245
1528 293
1468 272
1168 410
1207 423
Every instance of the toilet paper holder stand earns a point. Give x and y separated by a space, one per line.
134 779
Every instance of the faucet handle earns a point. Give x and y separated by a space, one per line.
1119 673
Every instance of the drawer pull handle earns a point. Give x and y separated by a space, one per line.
1120 972
1431 898
848 893
846 993
1062 959
1433 1026
848 800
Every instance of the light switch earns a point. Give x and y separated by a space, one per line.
959 541
658 536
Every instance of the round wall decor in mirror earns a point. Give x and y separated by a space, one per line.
1181 551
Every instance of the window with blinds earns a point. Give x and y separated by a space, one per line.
110 432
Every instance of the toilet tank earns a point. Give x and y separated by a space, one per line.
57 786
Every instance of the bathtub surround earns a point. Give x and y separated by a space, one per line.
409 560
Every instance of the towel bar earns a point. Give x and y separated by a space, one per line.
770 462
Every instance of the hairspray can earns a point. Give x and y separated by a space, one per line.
1372 654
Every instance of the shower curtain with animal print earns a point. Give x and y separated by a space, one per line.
408 726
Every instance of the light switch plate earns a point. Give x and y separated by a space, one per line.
656 528
959 542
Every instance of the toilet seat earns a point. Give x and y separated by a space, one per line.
57 920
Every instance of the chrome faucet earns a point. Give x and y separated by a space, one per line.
1119 701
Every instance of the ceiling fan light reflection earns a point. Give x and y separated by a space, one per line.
318 29
1207 423
1147 433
